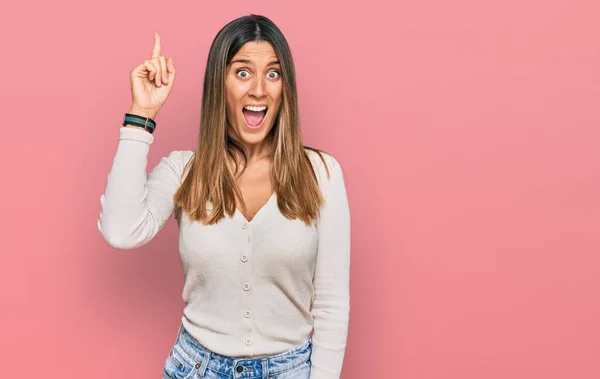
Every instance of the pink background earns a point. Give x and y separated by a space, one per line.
469 132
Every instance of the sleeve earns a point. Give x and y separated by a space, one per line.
331 304
135 206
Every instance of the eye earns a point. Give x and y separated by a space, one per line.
241 71
276 76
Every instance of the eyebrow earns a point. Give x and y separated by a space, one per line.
246 61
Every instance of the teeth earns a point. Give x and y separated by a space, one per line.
255 109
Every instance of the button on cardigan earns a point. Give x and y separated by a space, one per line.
252 288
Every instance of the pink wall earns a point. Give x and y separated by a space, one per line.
469 132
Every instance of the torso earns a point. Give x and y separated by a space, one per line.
256 187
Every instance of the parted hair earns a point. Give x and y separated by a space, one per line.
208 176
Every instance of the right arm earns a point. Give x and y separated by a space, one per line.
135 206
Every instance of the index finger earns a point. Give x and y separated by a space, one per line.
156 49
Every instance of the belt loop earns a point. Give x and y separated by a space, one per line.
176 338
179 330
204 364
265 367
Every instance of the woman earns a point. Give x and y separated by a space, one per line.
264 223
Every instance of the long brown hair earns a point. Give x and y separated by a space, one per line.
207 177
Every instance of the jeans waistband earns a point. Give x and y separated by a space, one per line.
241 368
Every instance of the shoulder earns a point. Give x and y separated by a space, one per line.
186 156
325 165
177 160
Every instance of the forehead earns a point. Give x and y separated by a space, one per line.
257 52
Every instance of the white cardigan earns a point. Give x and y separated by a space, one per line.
251 289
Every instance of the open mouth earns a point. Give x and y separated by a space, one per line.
254 116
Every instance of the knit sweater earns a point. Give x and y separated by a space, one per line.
251 289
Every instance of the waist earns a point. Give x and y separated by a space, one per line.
202 358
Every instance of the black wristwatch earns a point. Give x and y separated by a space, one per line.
144 122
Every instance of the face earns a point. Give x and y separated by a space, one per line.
253 78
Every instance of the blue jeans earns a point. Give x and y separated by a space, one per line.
188 359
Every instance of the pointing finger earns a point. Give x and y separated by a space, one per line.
156 49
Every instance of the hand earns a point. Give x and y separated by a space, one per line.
151 82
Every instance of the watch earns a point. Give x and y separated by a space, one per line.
144 122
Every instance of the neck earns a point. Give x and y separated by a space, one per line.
255 157
254 151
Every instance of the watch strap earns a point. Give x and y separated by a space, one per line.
137 120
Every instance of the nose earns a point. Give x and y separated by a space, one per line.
257 88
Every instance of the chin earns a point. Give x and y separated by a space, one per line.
254 137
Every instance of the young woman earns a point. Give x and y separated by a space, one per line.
264 222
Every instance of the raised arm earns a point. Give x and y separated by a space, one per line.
331 305
135 206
